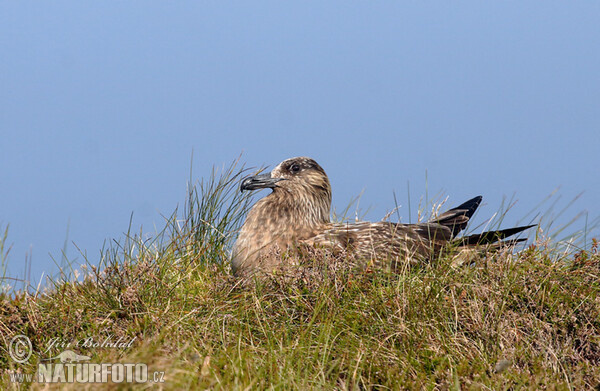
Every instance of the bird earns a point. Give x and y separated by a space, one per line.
296 215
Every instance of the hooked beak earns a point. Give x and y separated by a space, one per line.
262 181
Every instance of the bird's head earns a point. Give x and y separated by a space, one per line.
295 174
300 178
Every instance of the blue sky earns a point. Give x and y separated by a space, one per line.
102 104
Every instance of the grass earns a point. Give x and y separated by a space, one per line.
512 321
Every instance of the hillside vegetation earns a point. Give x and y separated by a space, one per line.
529 320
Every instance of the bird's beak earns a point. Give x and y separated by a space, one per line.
262 181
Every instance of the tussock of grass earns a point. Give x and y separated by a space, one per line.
530 320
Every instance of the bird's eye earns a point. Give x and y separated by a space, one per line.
295 168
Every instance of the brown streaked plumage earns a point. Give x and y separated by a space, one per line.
296 214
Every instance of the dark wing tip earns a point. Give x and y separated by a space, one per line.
457 218
491 237
469 206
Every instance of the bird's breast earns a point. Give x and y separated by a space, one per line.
270 229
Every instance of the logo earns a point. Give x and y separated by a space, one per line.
69 356
71 367
20 348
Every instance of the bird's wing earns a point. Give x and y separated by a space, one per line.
383 240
